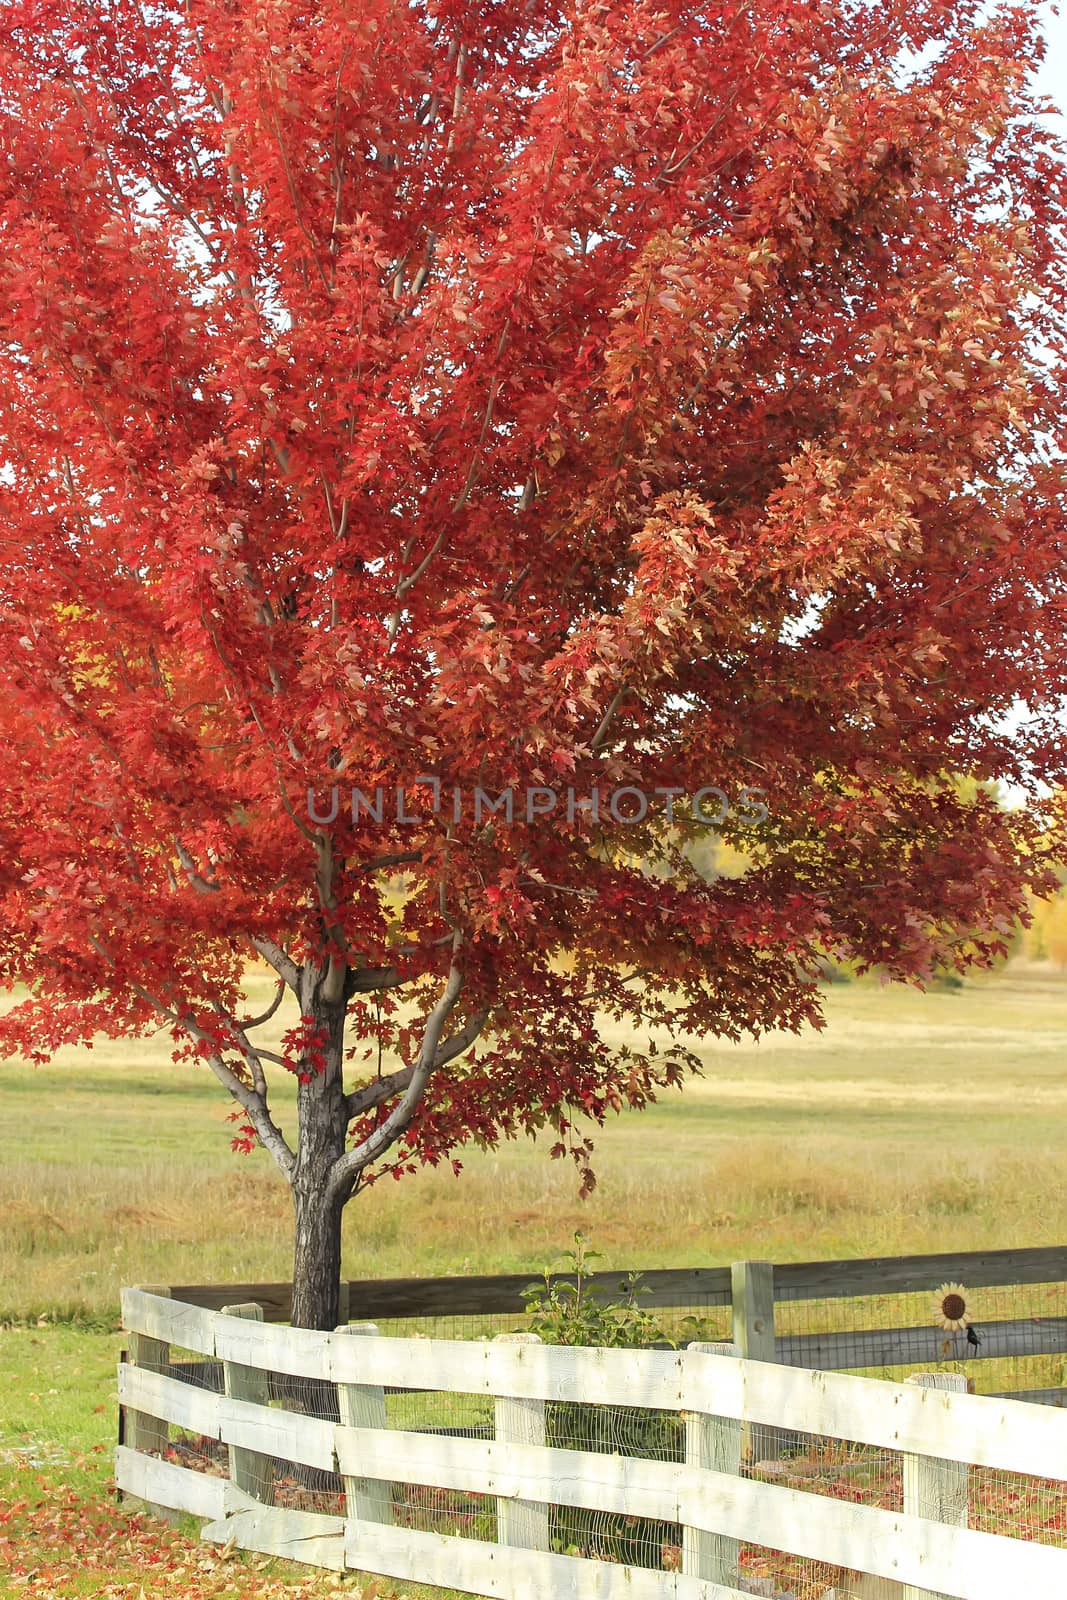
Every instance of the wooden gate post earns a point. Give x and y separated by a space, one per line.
521 1524
362 1405
752 1293
249 1470
933 1488
142 1432
713 1443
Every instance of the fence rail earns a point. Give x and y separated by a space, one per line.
377 1299
530 1470
837 1315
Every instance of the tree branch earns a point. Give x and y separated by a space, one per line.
367 980
408 582
346 1167
457 98
275 957
251 1099
333 988
607 719
198 881
265 1016
377 1093
462 1039
251 1054
399 859
383 1089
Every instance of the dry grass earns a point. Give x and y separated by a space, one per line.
913 1122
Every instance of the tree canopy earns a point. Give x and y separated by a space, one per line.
651 395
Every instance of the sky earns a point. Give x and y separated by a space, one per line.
1052 78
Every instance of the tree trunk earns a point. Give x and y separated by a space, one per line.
323 1129
316 1260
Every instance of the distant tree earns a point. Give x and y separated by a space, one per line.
1051 929
651 395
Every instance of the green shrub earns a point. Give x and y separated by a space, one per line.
575 1310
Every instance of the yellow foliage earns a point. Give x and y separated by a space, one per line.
1046 938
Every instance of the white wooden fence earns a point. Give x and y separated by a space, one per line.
920 1550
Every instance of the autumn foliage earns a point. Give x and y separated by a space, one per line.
650 395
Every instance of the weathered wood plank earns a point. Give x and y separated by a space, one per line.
649 1378
521 1524
369 1298
987 1432
874 1275
144 1432
966 1564
752 1288
164 1483
896 1347
1035 1397
905 1548
752 1284
169 1399
362 1405
298 1352
713 1443
932 1488
272 1432
170 1320
488 1569
264 1429
515 1473
706 1500
246 1425
794 1280
959 1562
275 1298
443 1297
278 1531
250 1471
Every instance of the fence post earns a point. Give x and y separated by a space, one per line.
362 1405
714 1443
250 1471
521 1524
752 1293
142 1432
933 1488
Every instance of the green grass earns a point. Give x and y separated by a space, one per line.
57 1390
62 1532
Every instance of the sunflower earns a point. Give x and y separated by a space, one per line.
950 1307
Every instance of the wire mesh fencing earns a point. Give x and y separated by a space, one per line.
883 1318
700 1317
283 1483
824 1467
1007 1339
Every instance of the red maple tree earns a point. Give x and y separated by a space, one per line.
647 395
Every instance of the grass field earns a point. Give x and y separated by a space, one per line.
913 1122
